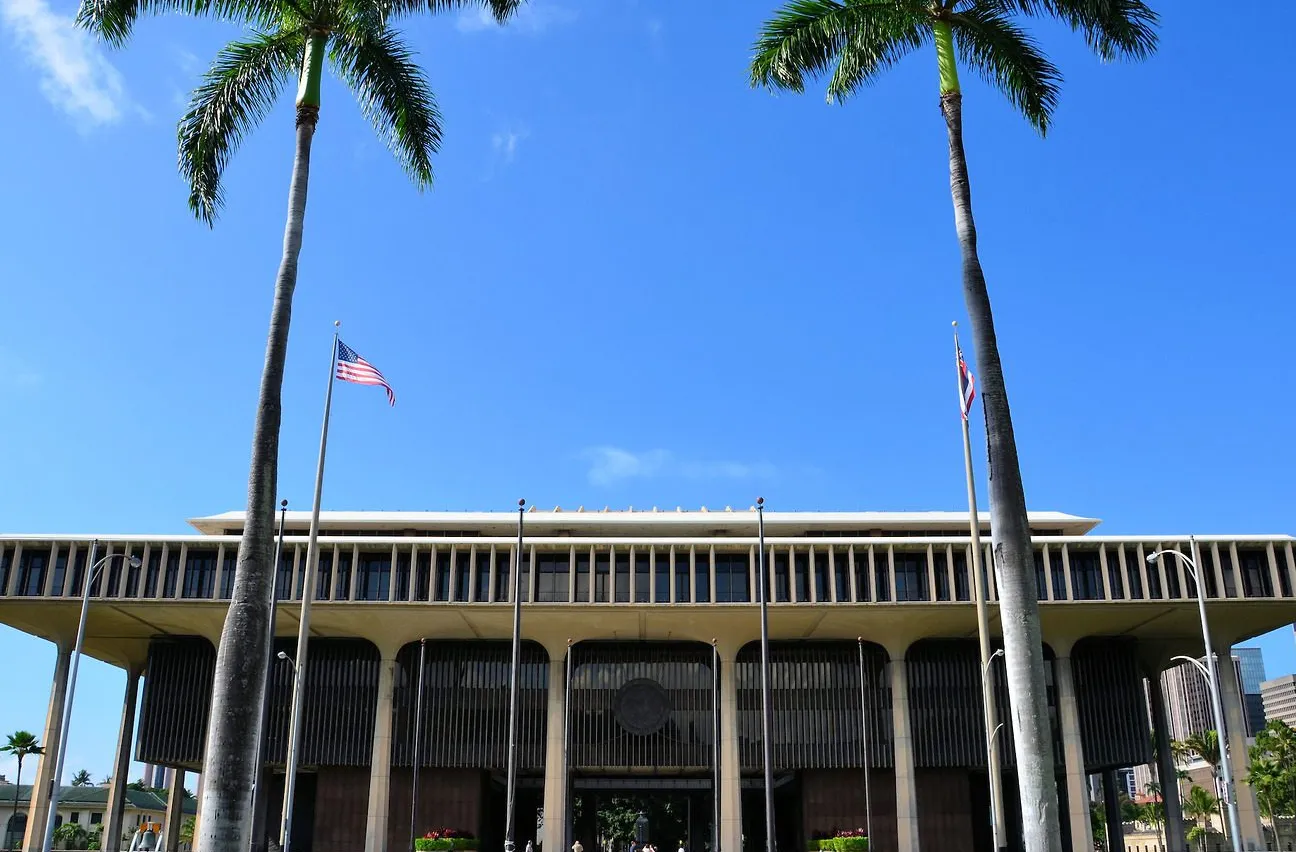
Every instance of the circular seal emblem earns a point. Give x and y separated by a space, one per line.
642 707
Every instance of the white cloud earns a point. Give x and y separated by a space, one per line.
531 18
75 75
609 465
505 143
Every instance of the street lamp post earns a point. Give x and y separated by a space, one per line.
1212 681
48 841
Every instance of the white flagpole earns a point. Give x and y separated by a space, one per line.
303 625
983 627
515 667
767 710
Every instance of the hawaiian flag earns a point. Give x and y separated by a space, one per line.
967 384
352 368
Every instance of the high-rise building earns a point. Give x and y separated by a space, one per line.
1252 665
1280 699
1188 699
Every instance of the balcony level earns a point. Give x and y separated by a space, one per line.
391 588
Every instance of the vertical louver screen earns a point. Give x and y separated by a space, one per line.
815 690
466 705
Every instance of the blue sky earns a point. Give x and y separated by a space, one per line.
639 282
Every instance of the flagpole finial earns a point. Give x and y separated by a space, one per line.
283 504
521 503
337 323
760 501
955 323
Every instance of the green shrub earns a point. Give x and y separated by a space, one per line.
843 844
445 844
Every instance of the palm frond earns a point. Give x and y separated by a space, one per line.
113 20
1009 60
861 38
393 93
236 93
501 10
1114 29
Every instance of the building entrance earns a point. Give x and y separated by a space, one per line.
669 814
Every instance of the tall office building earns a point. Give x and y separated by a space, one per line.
1188 700
1280 699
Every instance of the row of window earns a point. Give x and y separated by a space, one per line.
652 575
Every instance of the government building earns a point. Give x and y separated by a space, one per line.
640 674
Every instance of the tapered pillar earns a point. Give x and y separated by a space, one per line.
555 785
906 787
42 786
1167 771
116 811
1235 721
1112 805
730 768
1077 800
174 812
380 763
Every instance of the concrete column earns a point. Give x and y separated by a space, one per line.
1077 803
1235 721
906 788
380 764
730 815
1111 804
174 813
555 785
115 813
42 786
1176 837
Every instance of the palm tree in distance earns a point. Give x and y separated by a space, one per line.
287 41
857 40
82 778
1206 745
20 744
1200 805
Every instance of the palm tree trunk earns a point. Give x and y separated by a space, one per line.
229 763
1014 560
17 785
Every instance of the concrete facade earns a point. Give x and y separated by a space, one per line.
891 579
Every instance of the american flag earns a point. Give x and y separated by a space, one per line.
967 384
352 368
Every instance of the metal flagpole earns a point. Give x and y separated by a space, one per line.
715 746
511 791
258 779
568 829
864 729
303 624
767 715
418 746
983 626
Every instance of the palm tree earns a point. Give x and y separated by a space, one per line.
20 744
1154 811
82 778
287 42
1206 746
1199 805
858 40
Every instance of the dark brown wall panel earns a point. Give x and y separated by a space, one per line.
341 810
448 798
944 809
